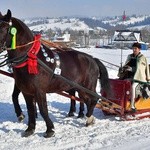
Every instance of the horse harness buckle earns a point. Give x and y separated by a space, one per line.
57 69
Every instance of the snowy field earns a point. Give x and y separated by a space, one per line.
70 133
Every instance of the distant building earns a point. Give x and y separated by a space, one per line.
63 40
125 39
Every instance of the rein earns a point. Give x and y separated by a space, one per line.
52 44
24 45
109 63
45 42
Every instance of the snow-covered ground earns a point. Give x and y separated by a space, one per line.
70 133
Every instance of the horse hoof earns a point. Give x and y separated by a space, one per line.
49 134
70 114
21 118
90 121
80 116
28 133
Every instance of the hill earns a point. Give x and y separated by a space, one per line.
77 23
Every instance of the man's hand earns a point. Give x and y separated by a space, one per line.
128 68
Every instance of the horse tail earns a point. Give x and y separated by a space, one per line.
103 76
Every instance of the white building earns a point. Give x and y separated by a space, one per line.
125 38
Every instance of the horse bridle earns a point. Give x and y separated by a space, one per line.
3 46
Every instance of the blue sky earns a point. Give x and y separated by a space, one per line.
56 8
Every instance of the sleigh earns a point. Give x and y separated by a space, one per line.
121 90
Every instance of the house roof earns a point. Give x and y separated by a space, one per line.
127 36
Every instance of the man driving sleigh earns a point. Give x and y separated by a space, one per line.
136 69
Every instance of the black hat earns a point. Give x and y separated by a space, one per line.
138 45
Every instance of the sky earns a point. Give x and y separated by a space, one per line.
58 8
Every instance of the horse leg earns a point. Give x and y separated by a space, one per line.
31 115
90 108
15 100
81 110
72 104
72 108
36 114
42 103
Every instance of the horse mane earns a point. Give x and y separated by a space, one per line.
20 25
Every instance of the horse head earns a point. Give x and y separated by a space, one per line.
5 23
13 31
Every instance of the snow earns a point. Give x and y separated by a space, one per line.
70 133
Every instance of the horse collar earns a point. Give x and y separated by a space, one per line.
36 45
31 61
55 59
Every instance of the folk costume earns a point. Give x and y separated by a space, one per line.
137 68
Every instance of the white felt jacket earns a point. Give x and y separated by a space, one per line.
142 68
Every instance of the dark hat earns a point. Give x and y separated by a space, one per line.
138 45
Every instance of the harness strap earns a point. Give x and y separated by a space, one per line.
45 42
32 58
52 44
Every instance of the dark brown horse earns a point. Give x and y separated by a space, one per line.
39 70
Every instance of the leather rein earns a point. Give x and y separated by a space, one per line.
48 43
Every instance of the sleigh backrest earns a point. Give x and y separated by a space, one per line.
121 91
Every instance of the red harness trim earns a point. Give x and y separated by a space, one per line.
32 58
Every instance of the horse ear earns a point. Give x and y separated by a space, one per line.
7 17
